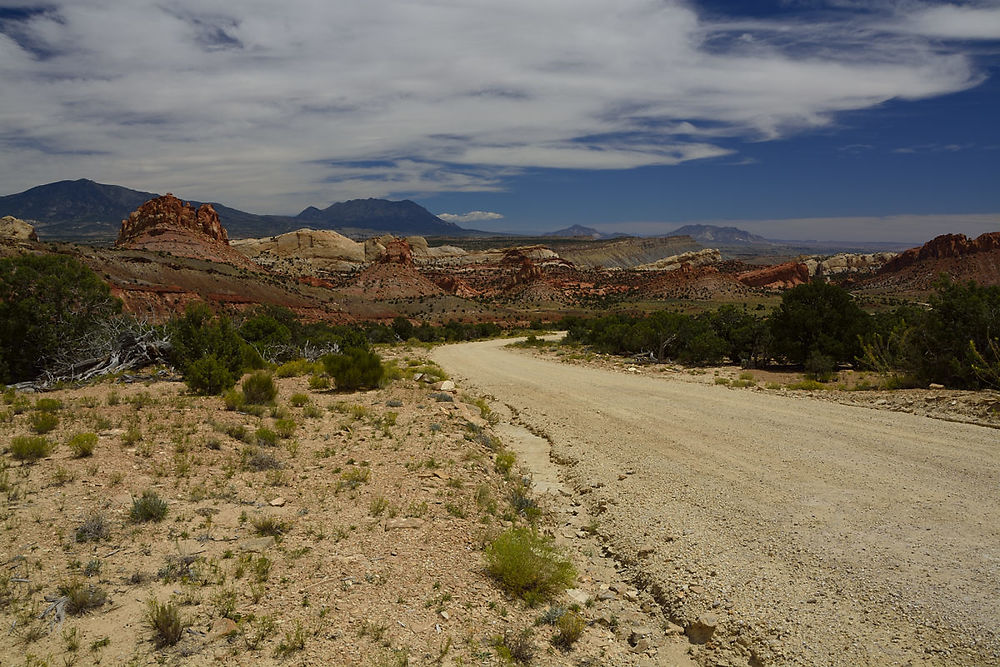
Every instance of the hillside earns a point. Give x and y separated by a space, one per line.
365 217
720 236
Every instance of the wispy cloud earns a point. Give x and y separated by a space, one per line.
271 106
471 216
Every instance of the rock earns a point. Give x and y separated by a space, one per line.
13 229
167 224
639 633
941 247
578 595
784 275
277 502
223 627
397 524
702 629
694 258
322 249
257 544
445 385
935 385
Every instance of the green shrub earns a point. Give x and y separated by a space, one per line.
165 622
352 479
298 400
93 529
818 318
208 376
48 405
43 422
285 428
270 526
149 507
356 368
47 302
528 565
505 461
296 368
82 444
233 400
259 388
319 382
266 437
820 367
82 597
569 629
29 448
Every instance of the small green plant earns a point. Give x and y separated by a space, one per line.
208 376
48 405
569 629
256 460
285 428
266 437
255 630
319 382
165 622
295 368
515 647
356 368
505 461
259 388
148 507
132 436
352 479
270 526
43 422
82 444
82 597
299 399
378 505
528 565
29 448
293 641
234 400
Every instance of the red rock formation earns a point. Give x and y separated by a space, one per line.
942 247
779 276
397 251
168 225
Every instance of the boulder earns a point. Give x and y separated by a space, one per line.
13 229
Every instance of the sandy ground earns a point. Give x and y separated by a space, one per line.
803 531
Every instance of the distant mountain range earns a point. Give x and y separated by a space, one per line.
85 210
711 235
577 231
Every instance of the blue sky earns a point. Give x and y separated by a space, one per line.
795 119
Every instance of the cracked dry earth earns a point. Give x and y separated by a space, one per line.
805 531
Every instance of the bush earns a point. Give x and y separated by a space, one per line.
259 388
319 383
208 376
299 399
46 303
820 367
48 405
93 529
165 622
81 597
43 422
265 437
29 448
569 629
149 507
285 428
528 565
818 319
233 400
356 368
82 444
199 334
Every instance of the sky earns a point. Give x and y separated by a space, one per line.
794 119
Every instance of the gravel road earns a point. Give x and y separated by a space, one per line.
803 531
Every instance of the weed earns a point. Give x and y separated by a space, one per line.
94 528
518 647
455 510
285 428
224 603
319 382
48 405
29 448
82 597
43 422
505 461
528 565
266 437
378 505
311 412
165 622
82 444
131 436
293 641
233 400
352 479
722 381
269 525
259 388
256 460
569 629
299 399
255 630
149 507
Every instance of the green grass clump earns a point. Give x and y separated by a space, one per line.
82 444
43 422
165 622
285 428
81 597
259 388
270 526
528 565
299 399
569 628
505 462
29 447
296 368
148 507
48 405
94 528
352 479
266 437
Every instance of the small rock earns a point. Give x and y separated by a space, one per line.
935 385
702 629
277 502
257 544
445 615
578 595
444 385
639 633
223 627
607 595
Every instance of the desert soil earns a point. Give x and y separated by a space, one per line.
777 528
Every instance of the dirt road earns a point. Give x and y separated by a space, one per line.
804 531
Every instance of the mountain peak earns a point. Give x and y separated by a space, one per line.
715 235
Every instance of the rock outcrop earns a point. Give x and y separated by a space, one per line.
166 224
393 275
779 276
696 258
846 263
13 229
944 247
322 249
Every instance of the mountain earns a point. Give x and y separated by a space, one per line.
716 236
576 230
379 215
85 210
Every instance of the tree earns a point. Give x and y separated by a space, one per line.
199 334
818 319
46 301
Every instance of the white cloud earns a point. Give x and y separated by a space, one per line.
955 22
272 106
471 216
